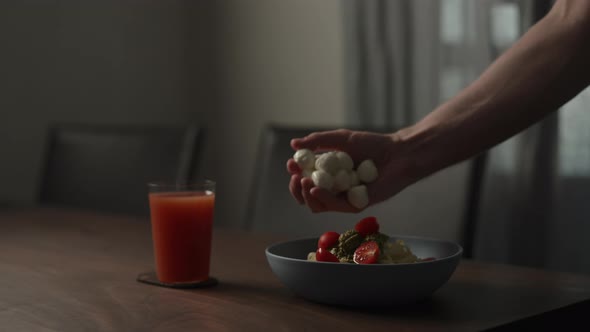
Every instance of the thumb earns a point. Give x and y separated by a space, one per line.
323 140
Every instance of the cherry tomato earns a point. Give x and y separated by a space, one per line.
367 253
324 255
367 226
328 240
427 259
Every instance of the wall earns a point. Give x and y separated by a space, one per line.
68 61
230 65
280 61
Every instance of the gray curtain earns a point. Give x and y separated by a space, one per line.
382 73
407 56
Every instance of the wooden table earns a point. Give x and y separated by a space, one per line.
75 271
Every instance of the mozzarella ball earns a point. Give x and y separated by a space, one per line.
322 179
306 173
358 196
305 158
367 171
344 160
341 181
328 162
354 178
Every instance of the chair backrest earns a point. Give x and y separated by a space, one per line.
440 206
107 167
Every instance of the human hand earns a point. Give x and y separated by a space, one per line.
386 150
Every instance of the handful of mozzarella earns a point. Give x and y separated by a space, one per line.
334 171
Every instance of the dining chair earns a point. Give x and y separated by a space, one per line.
443 205
107 167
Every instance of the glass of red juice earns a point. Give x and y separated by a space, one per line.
182 222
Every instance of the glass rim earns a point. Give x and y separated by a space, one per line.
203 184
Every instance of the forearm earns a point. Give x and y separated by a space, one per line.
548 66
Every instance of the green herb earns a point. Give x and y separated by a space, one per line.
347 244
380 238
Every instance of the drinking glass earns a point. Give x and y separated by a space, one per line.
182 222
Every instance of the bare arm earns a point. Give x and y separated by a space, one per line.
548 66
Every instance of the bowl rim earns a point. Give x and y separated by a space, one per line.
458 252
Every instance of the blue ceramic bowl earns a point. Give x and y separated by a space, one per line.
364 285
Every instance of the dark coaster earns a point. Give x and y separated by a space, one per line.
152 279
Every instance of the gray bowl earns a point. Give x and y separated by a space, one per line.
364 285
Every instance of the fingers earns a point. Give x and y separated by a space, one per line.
292 167
333 139
331 202
317 199
295 182
314 204
321 200
295 188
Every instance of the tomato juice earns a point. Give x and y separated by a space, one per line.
182 225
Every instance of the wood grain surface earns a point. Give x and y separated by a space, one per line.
75 271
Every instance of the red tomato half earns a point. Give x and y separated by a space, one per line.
324 255
367 253
367 226
328 240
